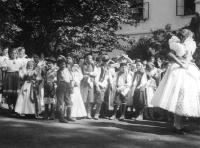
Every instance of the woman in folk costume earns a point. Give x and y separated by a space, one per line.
2 72
78 108
26 101
139 97
90 71
39 80
150 89
112 89
11 86
179 90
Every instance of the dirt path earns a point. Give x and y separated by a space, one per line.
34 133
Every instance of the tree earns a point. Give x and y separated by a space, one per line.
56 26
148 46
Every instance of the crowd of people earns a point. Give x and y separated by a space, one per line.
86 87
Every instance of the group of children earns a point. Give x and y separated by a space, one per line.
74 87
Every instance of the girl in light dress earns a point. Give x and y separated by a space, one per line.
179 90
11 85
27 99
78 108
150 90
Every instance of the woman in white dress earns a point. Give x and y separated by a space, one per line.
179 90
78 108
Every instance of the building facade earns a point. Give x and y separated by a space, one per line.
156 14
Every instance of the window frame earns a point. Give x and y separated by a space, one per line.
184 7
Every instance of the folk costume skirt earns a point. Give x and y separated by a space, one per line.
11 86
179 91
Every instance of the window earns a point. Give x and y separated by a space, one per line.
142 9
185 7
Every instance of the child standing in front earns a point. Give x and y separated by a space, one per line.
49 74
27 99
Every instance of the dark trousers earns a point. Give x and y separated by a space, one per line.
63 95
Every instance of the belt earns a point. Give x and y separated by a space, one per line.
12 71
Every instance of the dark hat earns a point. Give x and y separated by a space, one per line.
35 55
51 59
87 54
123 64
70 54
105 58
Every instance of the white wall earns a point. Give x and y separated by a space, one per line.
161 12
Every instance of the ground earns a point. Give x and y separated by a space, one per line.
20 132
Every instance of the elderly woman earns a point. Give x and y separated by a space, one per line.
179 90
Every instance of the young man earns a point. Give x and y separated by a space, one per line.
123 84
90 72
103 80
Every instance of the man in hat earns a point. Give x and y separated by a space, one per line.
90 72
64 90
102 82
49 75
123 84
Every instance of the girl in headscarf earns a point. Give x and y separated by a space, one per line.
179 90
139 97
150 89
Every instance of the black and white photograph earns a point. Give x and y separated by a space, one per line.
99 73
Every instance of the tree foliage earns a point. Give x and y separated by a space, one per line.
54 26
151 45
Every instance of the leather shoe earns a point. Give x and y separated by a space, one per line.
178 131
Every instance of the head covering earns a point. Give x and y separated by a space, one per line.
105 58
87 54
20 49
61 59
51 59
35 55
186 33
70 54
150 65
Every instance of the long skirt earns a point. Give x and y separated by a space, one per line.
2 75
130 97
139 98
179 91
11 86
78 108
24 104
